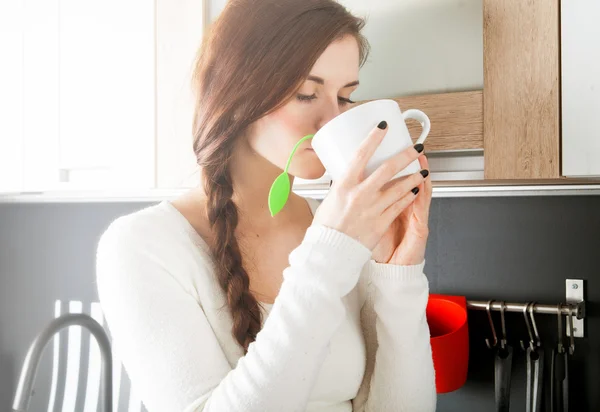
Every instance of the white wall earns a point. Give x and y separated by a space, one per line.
420 46
417 46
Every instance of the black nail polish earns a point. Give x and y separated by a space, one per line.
419 147
382 125
424 172
415 190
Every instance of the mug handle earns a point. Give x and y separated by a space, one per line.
421 118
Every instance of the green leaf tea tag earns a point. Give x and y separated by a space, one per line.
280 189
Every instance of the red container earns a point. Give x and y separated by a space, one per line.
447 319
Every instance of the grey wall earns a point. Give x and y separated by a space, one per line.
516 249
47 254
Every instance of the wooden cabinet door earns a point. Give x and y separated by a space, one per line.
521 89
580 49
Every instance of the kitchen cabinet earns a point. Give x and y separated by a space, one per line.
521 89
106 96
541 65
96 95
82 95
11 96
580 60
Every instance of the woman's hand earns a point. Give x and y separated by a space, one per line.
405 241
362 207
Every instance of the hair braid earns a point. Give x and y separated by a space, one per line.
233 278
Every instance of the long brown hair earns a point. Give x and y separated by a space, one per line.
253 59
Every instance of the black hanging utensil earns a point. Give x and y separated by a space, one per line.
559 387
535 379
503 369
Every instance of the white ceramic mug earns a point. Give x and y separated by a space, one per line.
338 140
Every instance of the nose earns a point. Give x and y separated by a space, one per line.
329 112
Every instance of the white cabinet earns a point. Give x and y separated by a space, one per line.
78 95
40 93
96 95
580 48
106 93
11 96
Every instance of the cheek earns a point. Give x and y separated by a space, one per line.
297 121
275 136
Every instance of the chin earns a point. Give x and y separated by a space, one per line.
310 174
307 167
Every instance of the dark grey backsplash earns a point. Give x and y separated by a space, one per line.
516 249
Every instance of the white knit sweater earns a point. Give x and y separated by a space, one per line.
344 334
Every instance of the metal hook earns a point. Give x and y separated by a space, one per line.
560 331
489 313
538 340
572 338
526 316
503 340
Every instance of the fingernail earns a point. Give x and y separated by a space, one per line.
415 190
382 125
419 147
424 172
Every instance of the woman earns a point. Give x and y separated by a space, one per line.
213 304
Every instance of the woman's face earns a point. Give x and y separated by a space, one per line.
322 96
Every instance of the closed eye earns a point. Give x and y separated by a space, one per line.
345 101
307 98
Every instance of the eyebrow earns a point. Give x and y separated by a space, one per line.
322 82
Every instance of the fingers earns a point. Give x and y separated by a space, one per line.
424 162
394 165
400 187
366 150
394 210
423 201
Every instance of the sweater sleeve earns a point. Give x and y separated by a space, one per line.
170 352
399 374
